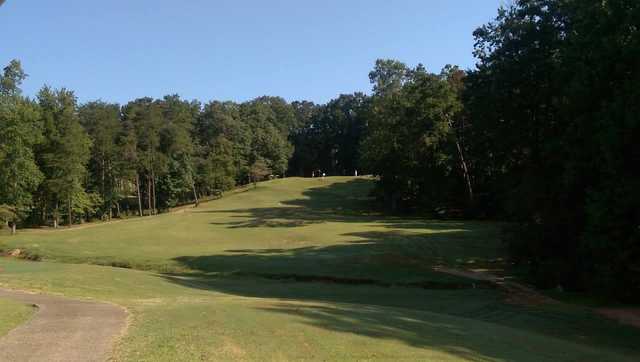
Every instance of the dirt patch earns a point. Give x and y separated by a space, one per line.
629 316
231 349
15 253
515 293
21 254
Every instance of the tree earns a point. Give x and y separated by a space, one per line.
218 126
128 164
102 122
216 171
176 143
147 120
19 133
66 152
411 142
259 171
330 137
554 111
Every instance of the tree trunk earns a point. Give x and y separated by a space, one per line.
465 171
70 212
55 216
139 196
13 228
153 191
195 194
463 162
149 206
43 212
104 193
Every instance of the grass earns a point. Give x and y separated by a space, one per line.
13 314
290 226
223 282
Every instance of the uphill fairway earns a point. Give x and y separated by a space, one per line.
297 269
292 226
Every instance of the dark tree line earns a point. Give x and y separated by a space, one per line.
542 133
554 106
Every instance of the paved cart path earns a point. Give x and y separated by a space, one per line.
63 329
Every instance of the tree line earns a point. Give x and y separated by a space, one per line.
61 161
541 133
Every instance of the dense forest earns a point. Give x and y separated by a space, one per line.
542 134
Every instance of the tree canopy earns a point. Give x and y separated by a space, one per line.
542 133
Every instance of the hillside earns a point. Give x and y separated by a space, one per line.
301 263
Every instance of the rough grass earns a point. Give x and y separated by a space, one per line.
279 273
13 314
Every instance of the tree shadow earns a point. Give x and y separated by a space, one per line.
376 257
473 324
381 283
347 201
420 330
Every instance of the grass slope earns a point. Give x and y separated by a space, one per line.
219 306
288 226
13 314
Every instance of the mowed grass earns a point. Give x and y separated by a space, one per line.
12 314
243 319
222 282
287 226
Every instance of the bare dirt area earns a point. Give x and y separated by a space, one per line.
63 329
516 293
630 316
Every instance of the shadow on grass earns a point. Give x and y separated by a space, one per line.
341 201
472 324
372 283
399 251
385 258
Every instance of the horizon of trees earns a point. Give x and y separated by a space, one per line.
542 133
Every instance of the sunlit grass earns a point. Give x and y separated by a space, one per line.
13 314
302 269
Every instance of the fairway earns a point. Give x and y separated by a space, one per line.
292 226
299 263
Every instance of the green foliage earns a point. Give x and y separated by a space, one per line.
410 141
102 123
330 135
8 214
19 134
11 79
554 105
217 171
65 151
87 204
259 170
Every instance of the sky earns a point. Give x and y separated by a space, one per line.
119 50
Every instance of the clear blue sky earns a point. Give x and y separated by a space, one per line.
118 50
